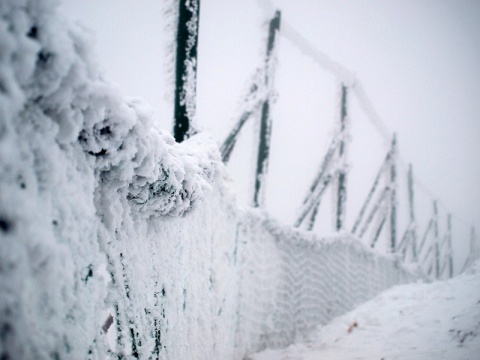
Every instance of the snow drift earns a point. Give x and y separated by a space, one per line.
102 214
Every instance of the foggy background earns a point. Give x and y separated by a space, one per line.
417 60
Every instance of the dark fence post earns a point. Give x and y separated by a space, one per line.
320 182
436 239
265 121
413 231
393 195
380 173
229 143
313 217
450 249
186 68
342 188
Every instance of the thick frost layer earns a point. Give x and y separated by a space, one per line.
77 163
92 199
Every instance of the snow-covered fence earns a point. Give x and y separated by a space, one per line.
86 184
292 281
103 217
381 217
222 283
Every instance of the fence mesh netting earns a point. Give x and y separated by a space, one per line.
292 281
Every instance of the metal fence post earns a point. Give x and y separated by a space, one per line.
229 143
341 180
265 121
393 195
450 248
436 239
413 231
366 203
185 68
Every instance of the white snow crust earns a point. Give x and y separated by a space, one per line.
102 214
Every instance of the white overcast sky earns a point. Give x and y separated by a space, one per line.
418 60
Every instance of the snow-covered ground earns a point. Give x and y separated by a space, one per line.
440 320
